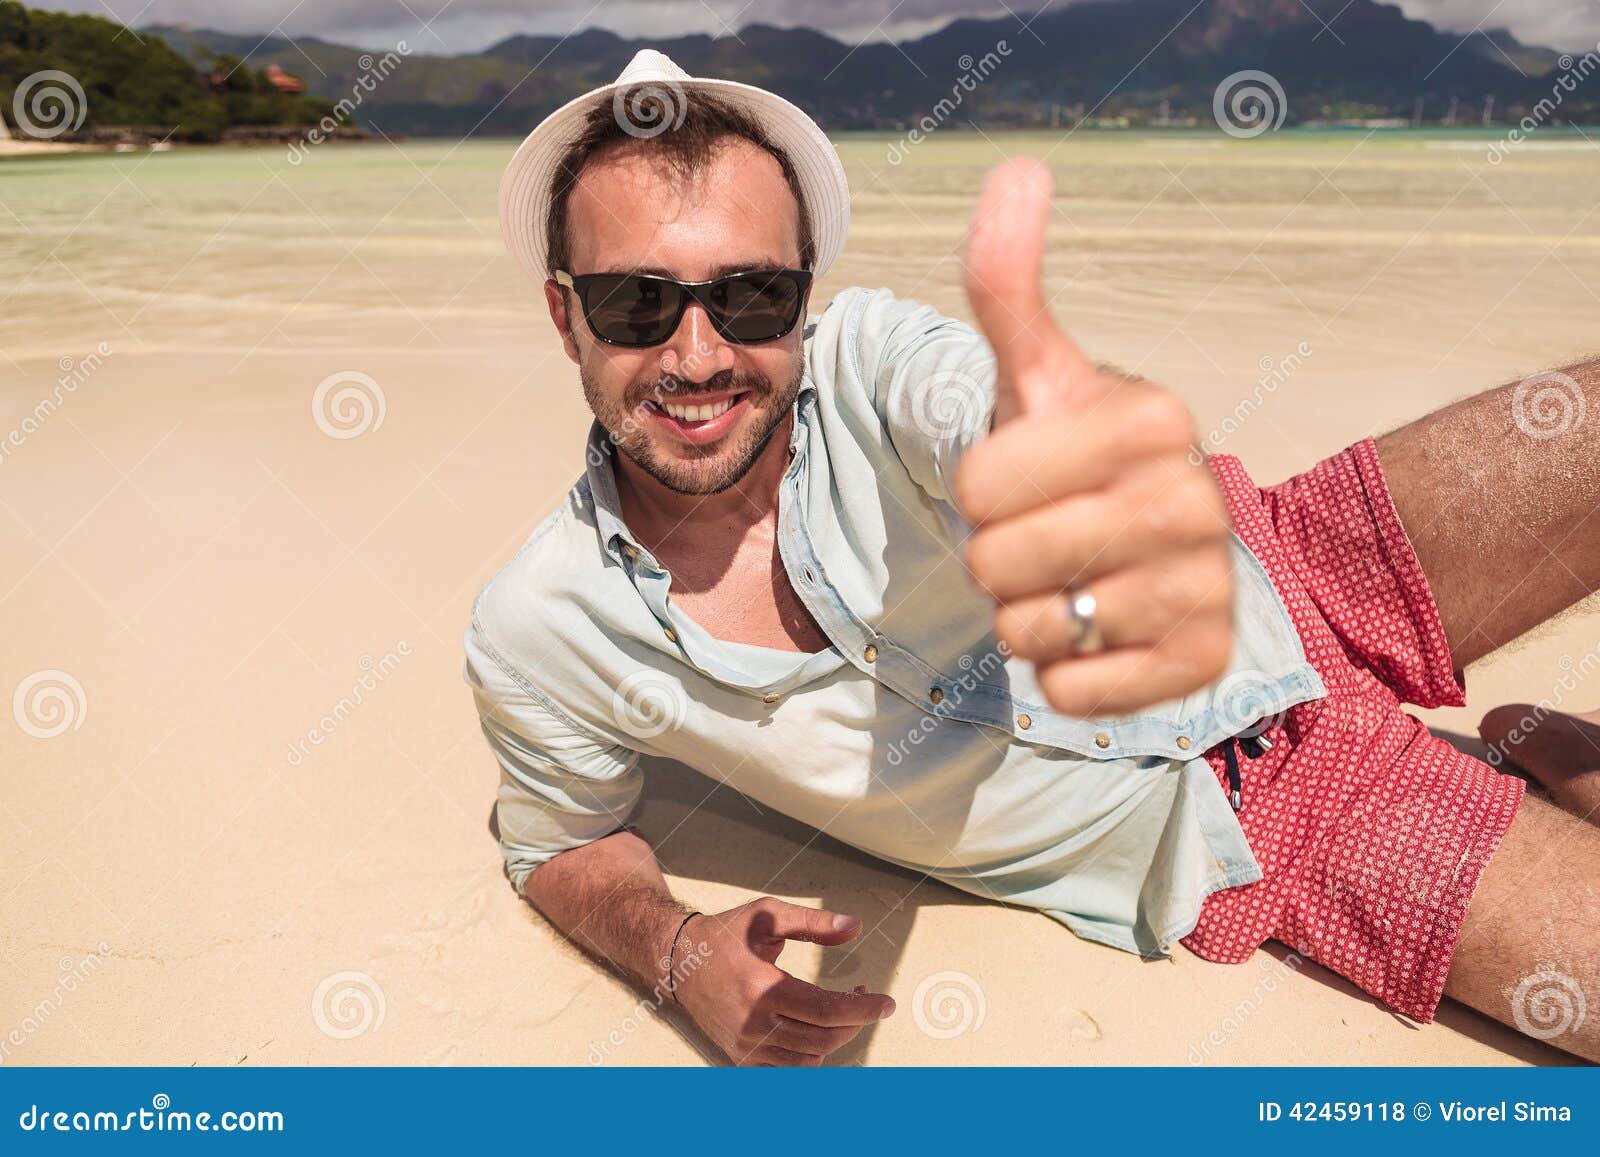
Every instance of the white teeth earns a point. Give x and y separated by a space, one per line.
698 413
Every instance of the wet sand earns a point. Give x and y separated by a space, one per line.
256 830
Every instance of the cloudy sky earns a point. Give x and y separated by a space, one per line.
468 25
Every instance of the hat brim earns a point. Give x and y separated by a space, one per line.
526 184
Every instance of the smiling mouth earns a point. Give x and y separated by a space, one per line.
691 412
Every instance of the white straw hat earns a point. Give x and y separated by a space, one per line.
525 186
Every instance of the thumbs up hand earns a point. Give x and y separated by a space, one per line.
1083 496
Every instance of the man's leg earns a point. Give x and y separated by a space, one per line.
1500 495
1529 953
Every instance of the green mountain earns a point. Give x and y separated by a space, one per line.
1087 60
116 79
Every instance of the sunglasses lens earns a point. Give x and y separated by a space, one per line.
756 307
635 311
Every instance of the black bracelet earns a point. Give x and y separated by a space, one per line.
672 951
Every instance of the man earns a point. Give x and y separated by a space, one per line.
962 599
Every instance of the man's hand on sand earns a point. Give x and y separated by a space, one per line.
755 1011
1085 483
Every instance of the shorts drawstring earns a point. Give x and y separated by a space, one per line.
1254 747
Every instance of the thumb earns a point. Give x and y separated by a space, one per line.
1036 362
816 925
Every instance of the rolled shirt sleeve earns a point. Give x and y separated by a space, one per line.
933 379
560 788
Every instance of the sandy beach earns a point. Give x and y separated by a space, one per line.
267 425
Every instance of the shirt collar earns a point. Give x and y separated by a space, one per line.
600 467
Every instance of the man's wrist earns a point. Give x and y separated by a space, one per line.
670 960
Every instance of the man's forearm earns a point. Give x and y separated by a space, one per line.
610 898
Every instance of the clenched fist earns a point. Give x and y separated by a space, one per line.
1085 485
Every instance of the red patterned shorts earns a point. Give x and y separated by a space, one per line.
1370 832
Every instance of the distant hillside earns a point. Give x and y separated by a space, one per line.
1083 61
125 84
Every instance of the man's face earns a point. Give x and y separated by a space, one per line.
628 214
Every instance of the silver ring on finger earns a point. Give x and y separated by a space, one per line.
1082 608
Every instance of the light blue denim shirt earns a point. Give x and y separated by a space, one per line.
914 737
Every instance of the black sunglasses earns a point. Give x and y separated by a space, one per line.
629 309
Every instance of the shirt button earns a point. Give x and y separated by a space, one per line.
670 634
870 654
1185 742
770 697
1102 740
936 695
1024 721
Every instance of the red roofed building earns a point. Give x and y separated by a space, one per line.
283 81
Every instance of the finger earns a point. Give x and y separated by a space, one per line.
798 1036
1130 679
798 1000
1138 605
815 925
1022 464
1076 540
770 1056
1004 275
